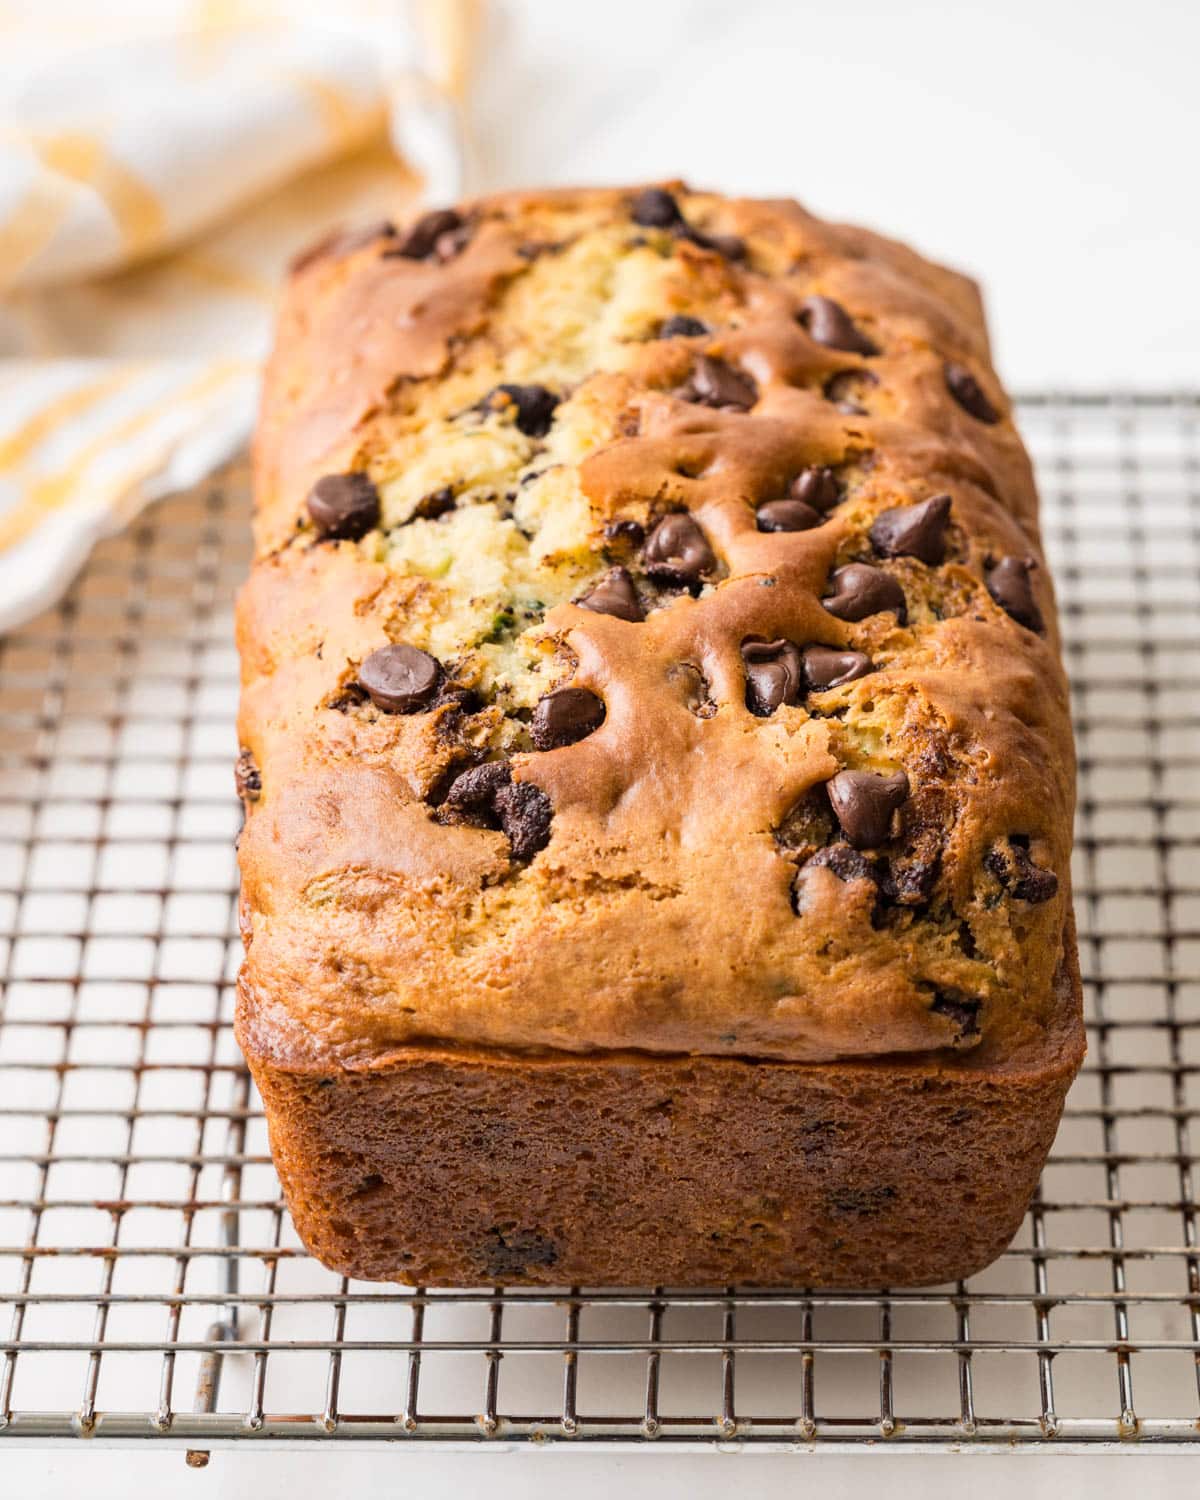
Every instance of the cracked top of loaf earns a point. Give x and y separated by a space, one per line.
648 646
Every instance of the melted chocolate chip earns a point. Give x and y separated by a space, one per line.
400 679
716 384
826 667
430 507
632 533
847 389
969 394
677 551
846 863
246 776
860 590
655 208
344 507
682 327
863 803
438 233
731 246
774 675
962 1010
786 515
806 827
563 717
1010 585
475 790
615 595
817 486
1012 866
525 814
907 879
827 322
488 797
914 530
534 406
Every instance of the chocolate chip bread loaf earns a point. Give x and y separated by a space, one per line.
656 756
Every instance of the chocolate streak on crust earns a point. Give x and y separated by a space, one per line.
658 920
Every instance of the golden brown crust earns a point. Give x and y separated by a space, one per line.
455 1168
661 915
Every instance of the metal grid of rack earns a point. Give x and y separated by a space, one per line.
151 1283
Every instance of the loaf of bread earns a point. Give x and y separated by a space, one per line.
656 756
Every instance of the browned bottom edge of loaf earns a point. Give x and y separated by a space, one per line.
456 1169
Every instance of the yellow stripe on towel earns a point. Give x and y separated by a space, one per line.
15 447
82 158
345 121
52 491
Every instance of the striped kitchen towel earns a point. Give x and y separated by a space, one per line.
159 165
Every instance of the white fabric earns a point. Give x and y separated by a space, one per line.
159 164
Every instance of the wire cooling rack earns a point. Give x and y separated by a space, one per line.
152 1285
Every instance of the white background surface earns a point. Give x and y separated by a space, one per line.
1050 148
101 1474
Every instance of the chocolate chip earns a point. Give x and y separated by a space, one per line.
860 590
786 515
863 803
914 530
488 796
434 233
731 246
828 323
847 389
399 678
962 1010
682 327
716 384
625 531
247 777
615 595
430 507
817 486
1012 866
525 814
344 507
774 675
969 394
563 717
677 551
846 863
655 208
1011 586
826 667
457 701
907 879
535 406
474 791
452 243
